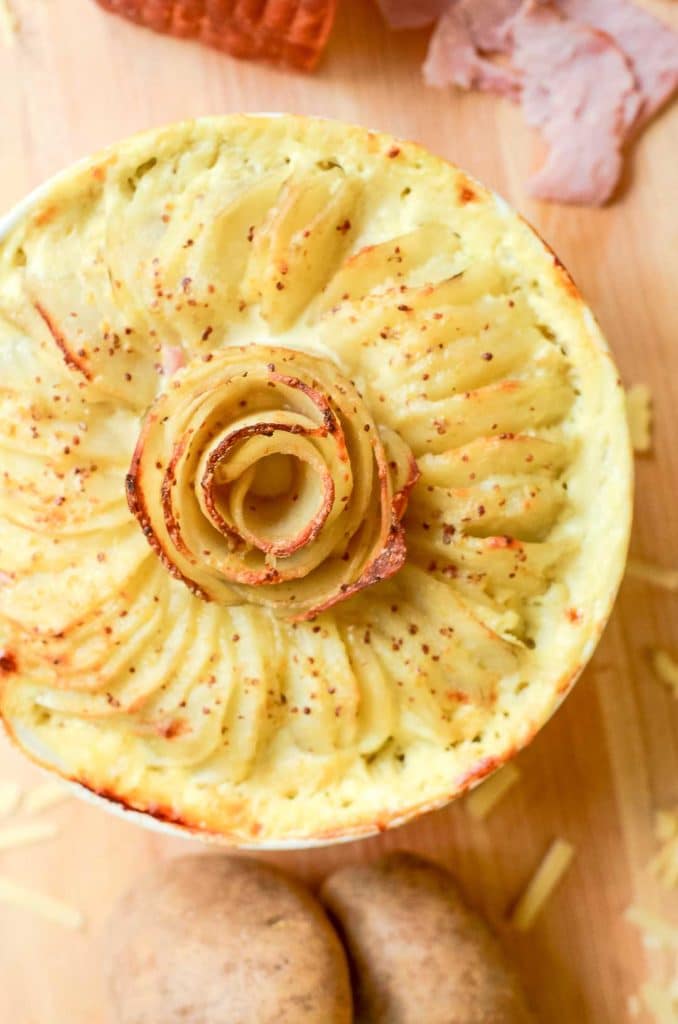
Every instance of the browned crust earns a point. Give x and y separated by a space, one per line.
8 663
393 553
389 560
157 811
330 421
354 830
386 564
46 215
72 360
402 497
465 193
168 483
564 275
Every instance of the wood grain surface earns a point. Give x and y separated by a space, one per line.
77 79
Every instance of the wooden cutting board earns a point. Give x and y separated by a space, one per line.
77 79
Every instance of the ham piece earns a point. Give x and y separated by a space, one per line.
650 45
489 22
588 73
172 358
580 92
454 55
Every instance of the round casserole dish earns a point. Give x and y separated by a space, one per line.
317 479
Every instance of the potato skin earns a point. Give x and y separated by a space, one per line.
418 953
224 940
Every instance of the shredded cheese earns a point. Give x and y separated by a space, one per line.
10 794
658 999
661 1002
552 868
634 1005
639 415
9 23
657 932
44 796
23 835
658 575
480 802
665 668
46 906
664 866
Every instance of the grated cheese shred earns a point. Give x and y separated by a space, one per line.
482 800
660 1002
665 668
45 796
658 933
639 415
9 23
23 835
13 894
664 866
658 999
658 575
10 795
552 868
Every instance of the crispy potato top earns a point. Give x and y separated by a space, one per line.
316 478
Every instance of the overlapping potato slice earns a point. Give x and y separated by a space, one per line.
76 298
295 250
375 267
191 277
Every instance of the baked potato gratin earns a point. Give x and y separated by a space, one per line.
316 478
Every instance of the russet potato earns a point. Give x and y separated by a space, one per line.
223 940
419 954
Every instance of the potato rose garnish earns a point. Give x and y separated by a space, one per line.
316 478
262 466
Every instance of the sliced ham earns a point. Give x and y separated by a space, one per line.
650 45
454 56
172 358
588 74
411 13
579 91
489 22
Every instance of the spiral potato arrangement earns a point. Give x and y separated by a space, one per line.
315 479
261 477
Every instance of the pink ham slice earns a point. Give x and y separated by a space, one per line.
489 22
588 73
411 13
650 45
454 56
172 359
579 91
